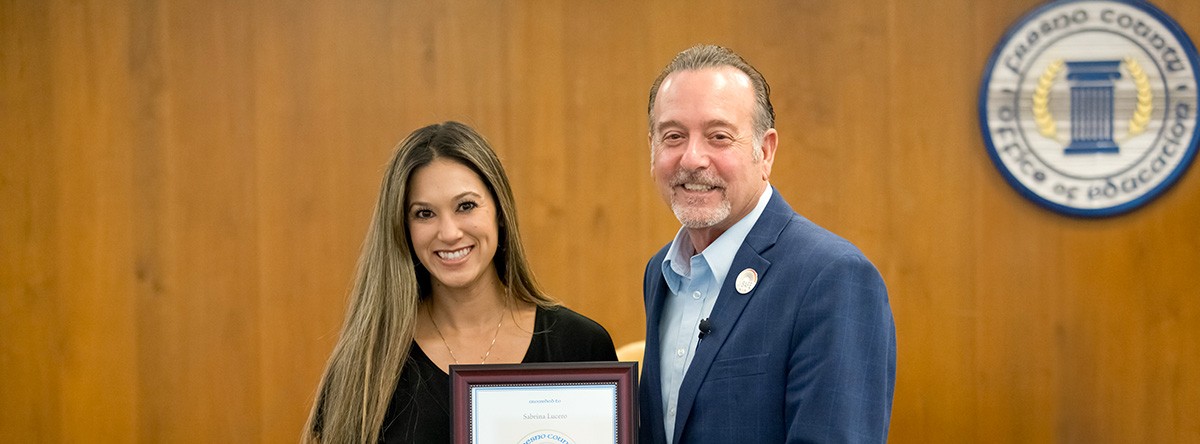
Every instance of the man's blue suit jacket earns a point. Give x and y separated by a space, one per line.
808 355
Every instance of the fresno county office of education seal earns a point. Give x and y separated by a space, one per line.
546 437
1089 108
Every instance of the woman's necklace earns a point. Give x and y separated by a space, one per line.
482 360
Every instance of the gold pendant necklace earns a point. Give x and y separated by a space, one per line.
482 360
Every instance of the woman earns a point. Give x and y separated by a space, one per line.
442 280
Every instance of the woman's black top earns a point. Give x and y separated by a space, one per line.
419 411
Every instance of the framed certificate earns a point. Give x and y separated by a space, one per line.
544 403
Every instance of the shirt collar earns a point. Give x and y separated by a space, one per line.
676 267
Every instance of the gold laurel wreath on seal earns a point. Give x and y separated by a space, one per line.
1141 113
1041 100
1145 99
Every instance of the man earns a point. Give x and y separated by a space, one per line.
761 326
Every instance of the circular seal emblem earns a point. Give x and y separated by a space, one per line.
546 437
1089 108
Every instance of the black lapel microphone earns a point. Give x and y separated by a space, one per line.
705 328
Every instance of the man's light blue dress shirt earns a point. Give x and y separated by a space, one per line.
695 283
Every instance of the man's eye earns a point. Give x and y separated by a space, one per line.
721 139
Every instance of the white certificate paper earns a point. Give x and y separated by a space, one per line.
544 414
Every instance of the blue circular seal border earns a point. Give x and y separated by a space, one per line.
1185 162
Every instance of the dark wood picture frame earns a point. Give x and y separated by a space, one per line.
623 374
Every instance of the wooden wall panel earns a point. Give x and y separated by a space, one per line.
934 211
29 314
184 188
91 249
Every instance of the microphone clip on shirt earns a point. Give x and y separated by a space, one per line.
705 328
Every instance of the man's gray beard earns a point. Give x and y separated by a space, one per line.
692 217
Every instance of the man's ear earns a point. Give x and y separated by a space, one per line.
770 142
650 143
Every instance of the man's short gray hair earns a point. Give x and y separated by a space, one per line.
713 56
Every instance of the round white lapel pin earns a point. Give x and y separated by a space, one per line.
746 280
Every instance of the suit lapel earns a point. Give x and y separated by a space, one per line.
657 293
730 304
